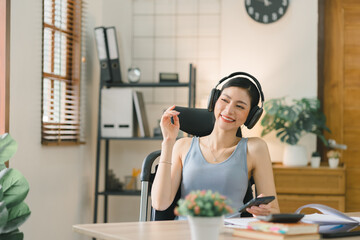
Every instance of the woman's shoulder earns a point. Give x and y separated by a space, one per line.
184 142
256 144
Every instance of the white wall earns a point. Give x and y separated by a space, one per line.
61 178
281 55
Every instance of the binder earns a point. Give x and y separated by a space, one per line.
141 114
102 49
113 54
117 112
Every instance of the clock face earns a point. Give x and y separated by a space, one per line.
134 74
266 11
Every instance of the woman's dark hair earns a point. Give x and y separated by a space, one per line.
246 84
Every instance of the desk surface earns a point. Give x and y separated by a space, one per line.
158 230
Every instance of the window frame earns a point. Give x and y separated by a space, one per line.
62 131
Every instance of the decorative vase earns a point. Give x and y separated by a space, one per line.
205 228
295 156
333 162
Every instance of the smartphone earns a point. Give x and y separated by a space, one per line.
256 202
282 217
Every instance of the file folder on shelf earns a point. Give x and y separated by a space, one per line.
117 112
141 114
113 54
108 54
103 53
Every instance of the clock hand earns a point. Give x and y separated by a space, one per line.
267 3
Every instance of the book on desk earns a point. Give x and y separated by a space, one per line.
272 230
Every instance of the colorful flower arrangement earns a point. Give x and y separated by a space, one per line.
203 204
333 154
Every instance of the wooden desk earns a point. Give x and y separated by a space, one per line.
159 230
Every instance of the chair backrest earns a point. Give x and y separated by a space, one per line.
194 121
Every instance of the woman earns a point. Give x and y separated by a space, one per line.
221 161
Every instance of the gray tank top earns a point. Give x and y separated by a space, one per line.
229 178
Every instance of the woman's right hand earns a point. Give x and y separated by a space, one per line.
170 130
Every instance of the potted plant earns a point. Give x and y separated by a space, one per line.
13 190
315 159
205 211
291 122
333 157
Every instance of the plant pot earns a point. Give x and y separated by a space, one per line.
205 228
294 156
333 162
315 162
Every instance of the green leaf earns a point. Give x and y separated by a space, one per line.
15 187
292 121
8 147
4 215
3 172
14 235
1 193
17 216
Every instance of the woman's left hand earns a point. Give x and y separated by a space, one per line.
261 210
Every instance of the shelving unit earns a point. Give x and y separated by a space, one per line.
105 193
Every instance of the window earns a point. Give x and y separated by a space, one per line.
4 64
61 71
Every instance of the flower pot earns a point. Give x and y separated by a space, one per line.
295 156
315 162
333 162
205 228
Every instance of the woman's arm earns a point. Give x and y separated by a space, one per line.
168 175
259 157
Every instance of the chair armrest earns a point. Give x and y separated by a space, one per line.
147 165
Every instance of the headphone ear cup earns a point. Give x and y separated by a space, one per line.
214 95
253 117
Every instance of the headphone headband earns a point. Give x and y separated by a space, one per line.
254 113
257 83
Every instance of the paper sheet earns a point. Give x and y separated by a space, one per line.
238 222
329 216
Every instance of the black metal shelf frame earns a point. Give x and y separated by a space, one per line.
191 103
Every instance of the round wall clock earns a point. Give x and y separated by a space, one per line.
134 74
266 11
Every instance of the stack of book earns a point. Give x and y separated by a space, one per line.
270 230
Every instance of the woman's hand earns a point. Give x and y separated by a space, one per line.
170 130
261 210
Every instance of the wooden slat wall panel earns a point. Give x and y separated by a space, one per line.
332 103
4 65
351 97
351 118
342 87
352 177
351 110
352 199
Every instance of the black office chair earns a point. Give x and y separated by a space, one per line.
194 121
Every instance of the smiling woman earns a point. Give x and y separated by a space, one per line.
222 161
